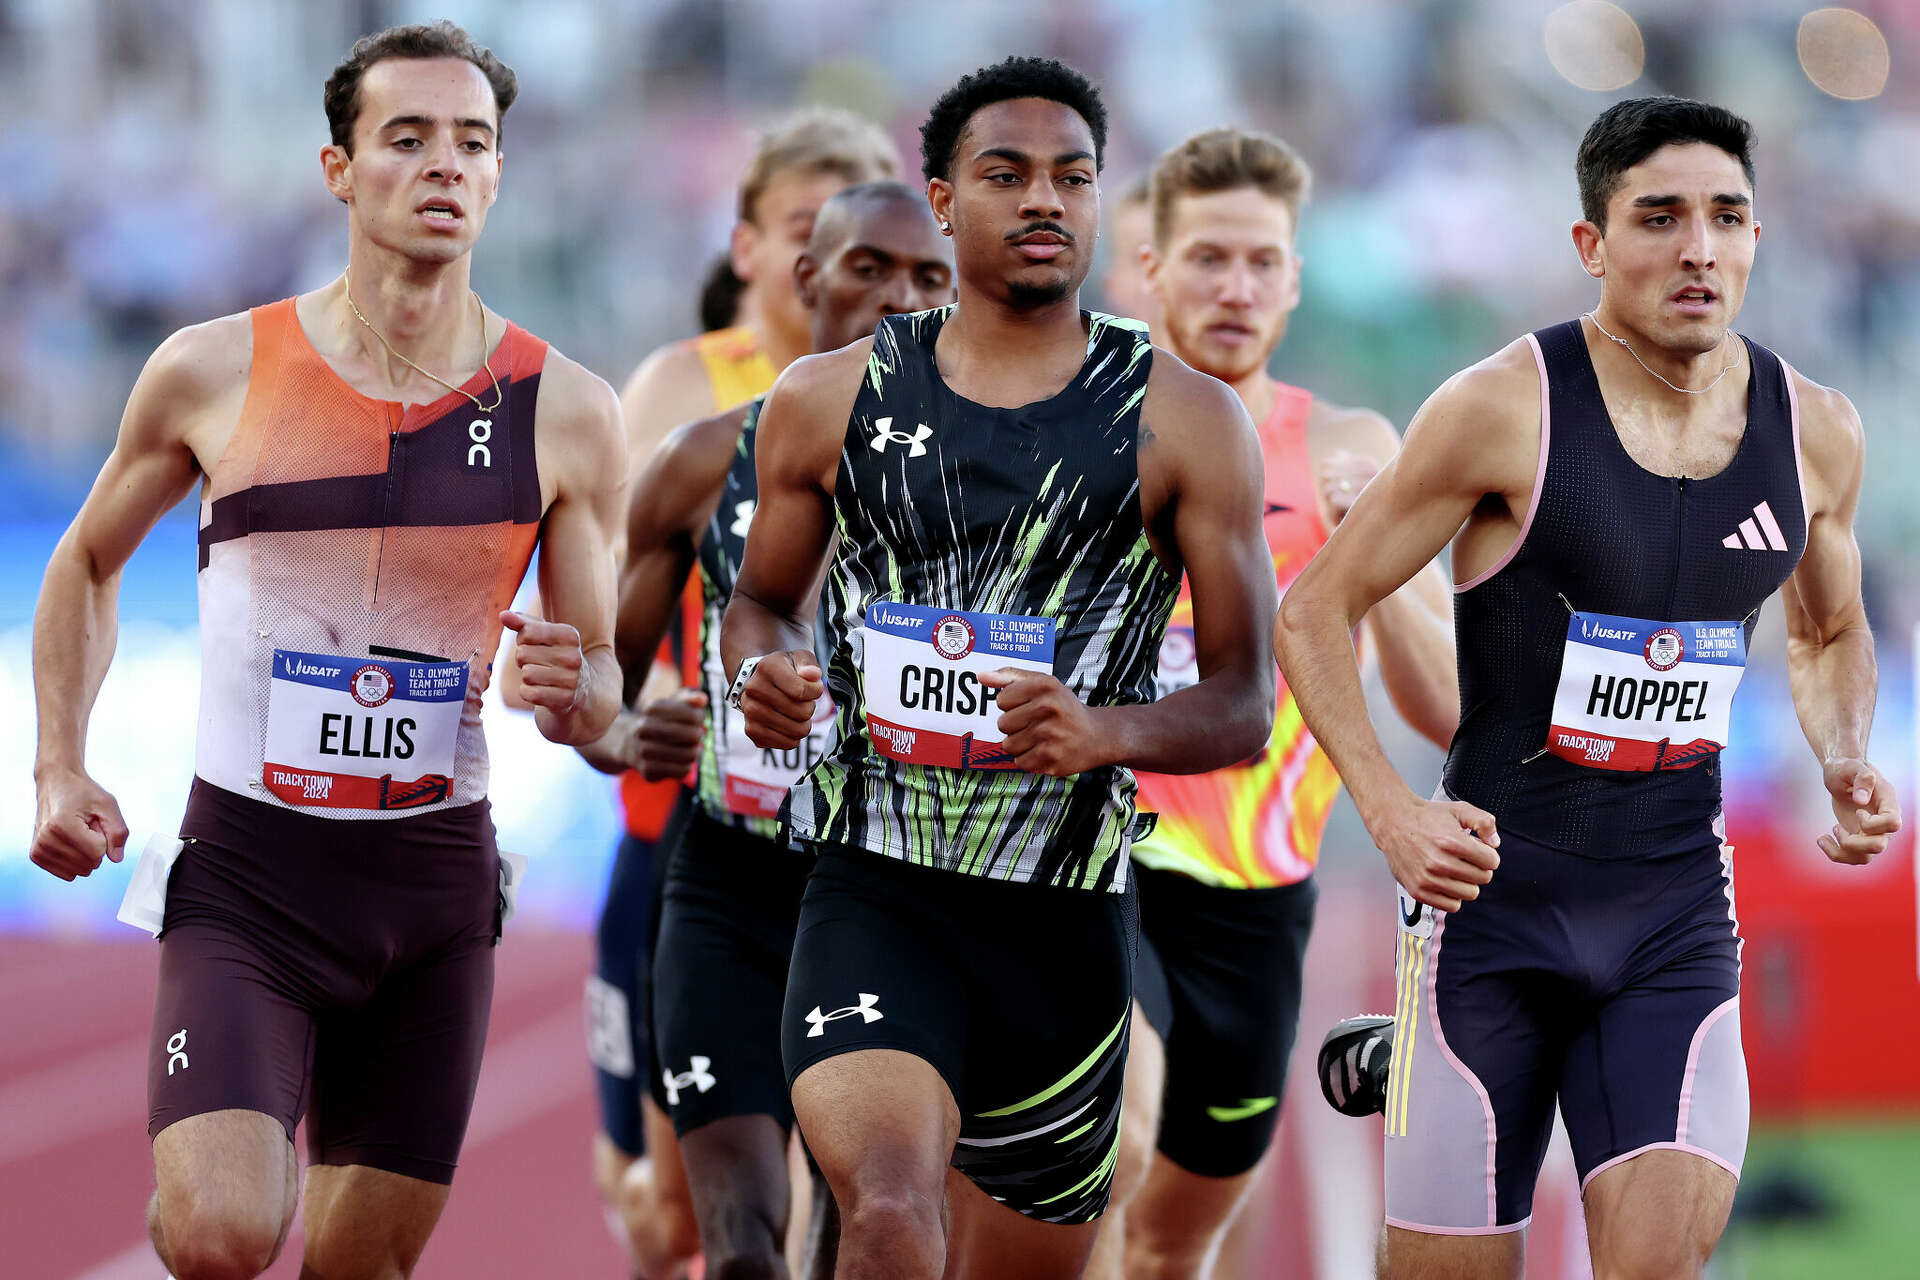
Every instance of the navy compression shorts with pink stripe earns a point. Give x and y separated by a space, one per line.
1609 986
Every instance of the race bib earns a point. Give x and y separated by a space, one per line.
925 702
1640 696
756 779
362 733
1179 662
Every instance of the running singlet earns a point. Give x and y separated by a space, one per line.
354 559
737 371
738 783
1598 658
1257 824
973 538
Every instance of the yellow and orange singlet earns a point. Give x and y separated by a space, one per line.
1257 824
737 371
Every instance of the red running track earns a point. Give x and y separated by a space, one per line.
75 1172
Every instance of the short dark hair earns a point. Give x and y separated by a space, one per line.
1628 132
421 40
1002 82
720 295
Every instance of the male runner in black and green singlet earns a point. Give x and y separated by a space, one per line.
1016 486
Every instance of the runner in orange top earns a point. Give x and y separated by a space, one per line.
797 166
376 461
1226 899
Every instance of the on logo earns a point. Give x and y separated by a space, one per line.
177 1051
742 518
866 1010
480 430
698 1077
884 435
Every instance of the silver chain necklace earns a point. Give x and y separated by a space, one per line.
1732 360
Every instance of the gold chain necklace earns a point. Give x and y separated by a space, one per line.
1732 359
486 355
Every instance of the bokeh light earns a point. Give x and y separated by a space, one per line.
1595 45
1843 53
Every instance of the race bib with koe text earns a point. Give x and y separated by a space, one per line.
756 779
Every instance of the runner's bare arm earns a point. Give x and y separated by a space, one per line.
1412 629
668 388
1201 482
1477 437
666 514
567 667
1830 657
796 457
667 511
195 376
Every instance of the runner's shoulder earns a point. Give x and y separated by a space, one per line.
1485 419
1366 432
1832 436
820 389
1186 407
695 455
579 416
669 387
201 363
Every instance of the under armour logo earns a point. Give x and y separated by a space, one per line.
698 1077
884 435
865 1009
742 517
1764 536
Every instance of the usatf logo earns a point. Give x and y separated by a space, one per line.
697 1077
742 518
915 440
1665 648
953 637
866 1009
372 685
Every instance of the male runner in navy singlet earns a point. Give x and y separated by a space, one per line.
1016 484
1623 492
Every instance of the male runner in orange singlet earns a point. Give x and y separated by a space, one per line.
1226 895
797 166
377 460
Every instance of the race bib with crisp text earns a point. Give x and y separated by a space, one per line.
925 701
1639 696
362 733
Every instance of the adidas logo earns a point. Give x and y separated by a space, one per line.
1758 532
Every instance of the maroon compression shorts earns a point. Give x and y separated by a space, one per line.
337 969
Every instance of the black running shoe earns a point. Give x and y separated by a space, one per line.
1353 1064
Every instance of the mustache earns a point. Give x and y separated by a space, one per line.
1033 228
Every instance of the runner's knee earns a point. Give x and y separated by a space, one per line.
889 1208
1134 1158
1653 1255
206 1246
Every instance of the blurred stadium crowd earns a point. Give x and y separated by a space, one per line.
158 166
